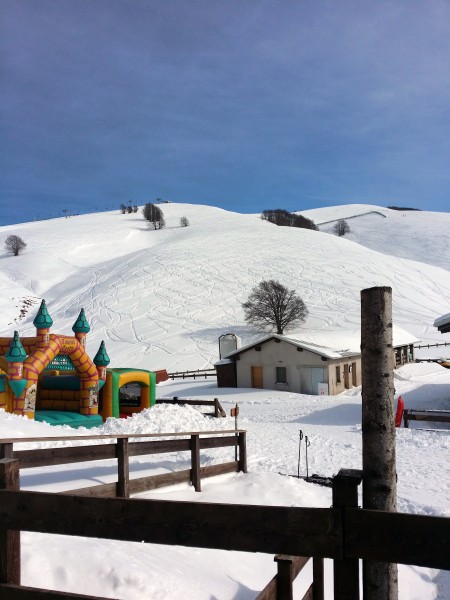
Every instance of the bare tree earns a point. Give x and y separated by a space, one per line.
123 208
14 244
184 222
272 304
154 216
341 227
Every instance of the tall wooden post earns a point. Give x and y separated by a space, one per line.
380 580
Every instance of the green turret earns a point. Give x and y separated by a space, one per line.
101 359
43 320
16 352
81 325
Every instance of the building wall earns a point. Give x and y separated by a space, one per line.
304 369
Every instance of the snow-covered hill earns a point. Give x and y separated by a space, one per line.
160 299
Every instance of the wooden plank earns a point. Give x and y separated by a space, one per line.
42 457
217 442
220 469
284 577
19 592
182 402
123 469
397 538
346 570
115 436
153 482
159 447
105 490
6 451
246 528
318 585
242 442
9 539
195 463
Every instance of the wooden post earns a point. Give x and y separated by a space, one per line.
346 570
318 579
195 462
216 407
7 450
9 540
380 580
123 468
284 577
406 418
242 441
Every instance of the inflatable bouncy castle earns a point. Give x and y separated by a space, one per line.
50 377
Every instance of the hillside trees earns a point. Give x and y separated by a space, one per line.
284 218
341 227
184 222
14 244
154 216
271 304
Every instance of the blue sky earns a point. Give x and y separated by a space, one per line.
246 105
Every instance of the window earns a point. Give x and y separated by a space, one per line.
338 374
281 375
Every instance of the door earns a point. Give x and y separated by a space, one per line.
257 377
354 380
346 377
310 377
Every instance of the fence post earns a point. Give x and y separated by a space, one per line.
242 440
346 570
284 577
380 579
9 539
195 462
123 468
318 590
406 418
7 450
216 407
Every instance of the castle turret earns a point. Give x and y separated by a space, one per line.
101 361
15 355
81 328
42 322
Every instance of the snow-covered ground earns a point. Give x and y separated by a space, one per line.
160 299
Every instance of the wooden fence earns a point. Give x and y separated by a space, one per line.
344 532
437 416
198 374
215 404
122 449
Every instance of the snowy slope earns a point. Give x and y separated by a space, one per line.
160 299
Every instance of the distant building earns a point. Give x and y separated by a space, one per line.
278 362
443 323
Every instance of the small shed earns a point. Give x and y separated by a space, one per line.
278 362
281 363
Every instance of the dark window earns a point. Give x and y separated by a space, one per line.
130 395
281 375
338 374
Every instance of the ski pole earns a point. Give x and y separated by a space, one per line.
299 449
307 443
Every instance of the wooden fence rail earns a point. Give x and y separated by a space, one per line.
437 416
343 533
198 374
218 409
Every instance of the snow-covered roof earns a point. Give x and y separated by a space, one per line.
315 348
443 323
345 343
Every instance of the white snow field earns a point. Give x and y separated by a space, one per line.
160 299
